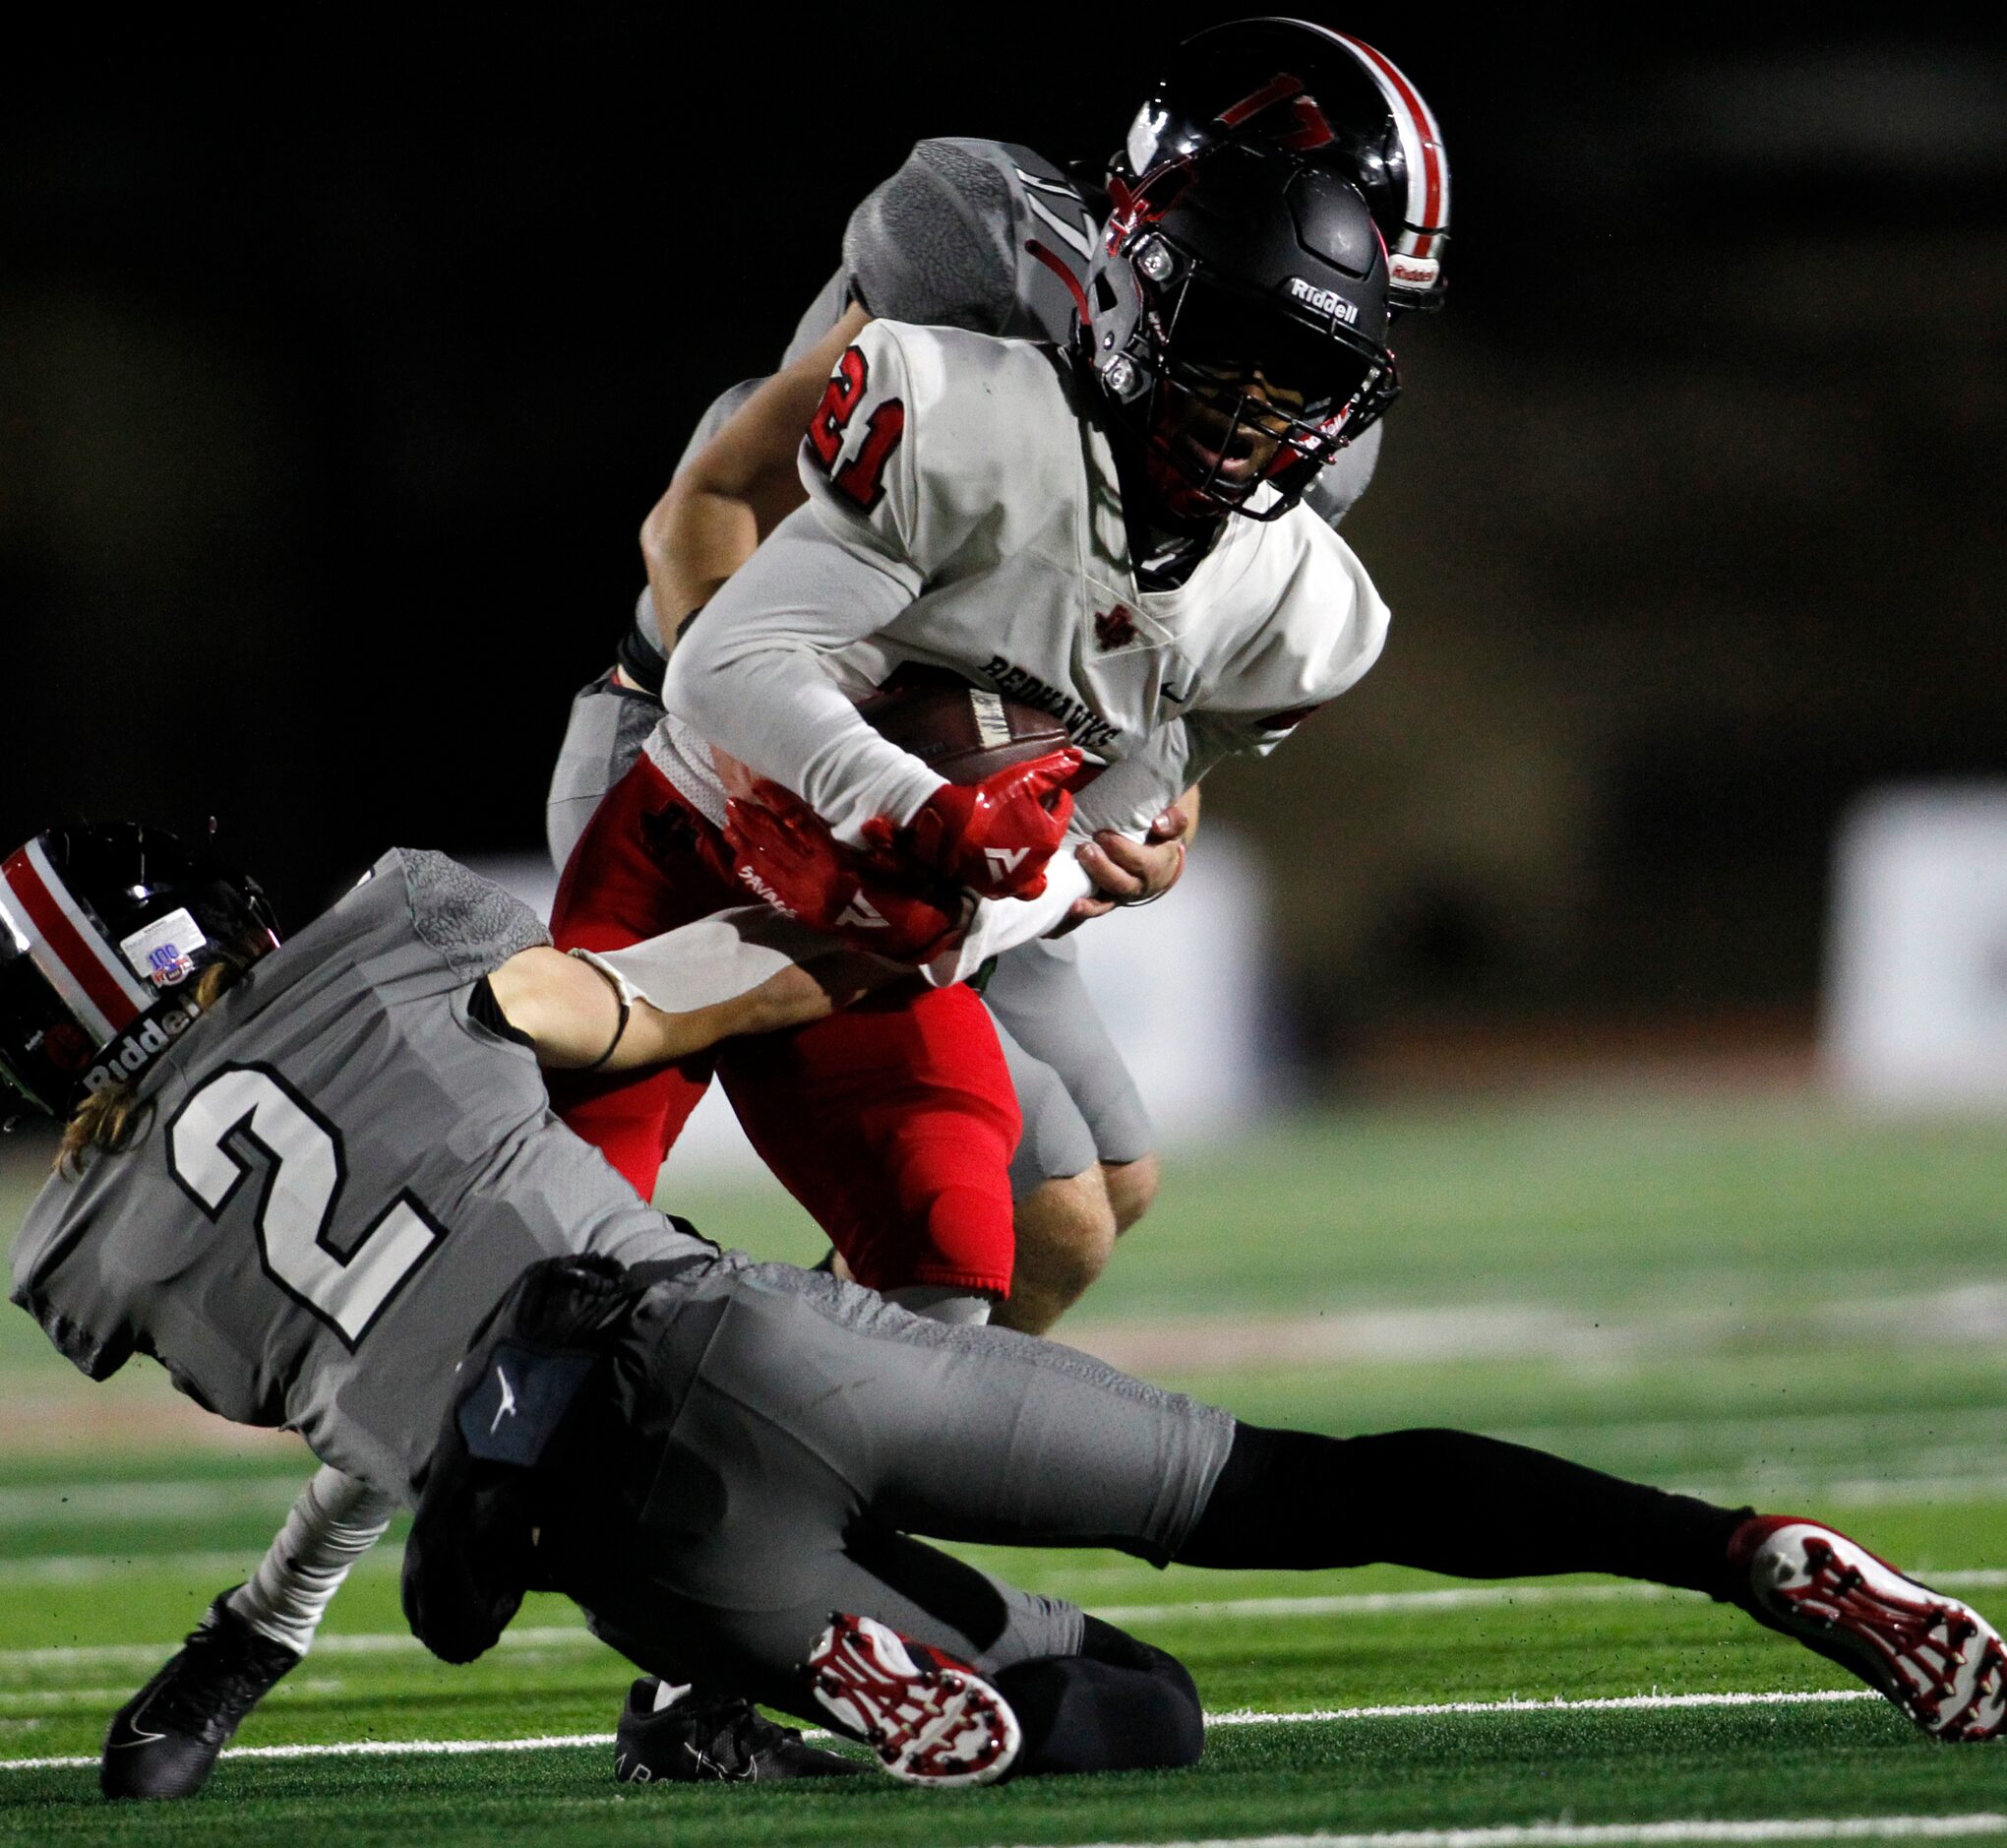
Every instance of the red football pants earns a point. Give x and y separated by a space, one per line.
893 1122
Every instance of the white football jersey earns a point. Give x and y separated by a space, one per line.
964 511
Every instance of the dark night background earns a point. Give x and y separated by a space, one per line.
335 383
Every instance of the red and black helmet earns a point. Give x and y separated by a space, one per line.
1327 98
1235 317
102 929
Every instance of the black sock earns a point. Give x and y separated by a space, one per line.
1118 1705
1453 1502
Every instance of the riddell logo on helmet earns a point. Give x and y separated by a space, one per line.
1326 301
136 1050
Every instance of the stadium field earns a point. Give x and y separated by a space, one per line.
1749 1297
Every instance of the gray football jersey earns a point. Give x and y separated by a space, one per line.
340 1172
945 243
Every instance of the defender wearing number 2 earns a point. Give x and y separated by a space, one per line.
728 1465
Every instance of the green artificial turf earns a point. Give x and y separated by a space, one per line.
1759 1301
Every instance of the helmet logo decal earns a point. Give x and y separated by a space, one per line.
163 951
65 945
1326 301
136 1050
1308 128
1279 88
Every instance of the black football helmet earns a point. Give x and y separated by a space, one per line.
1330 99
102 930
1236 317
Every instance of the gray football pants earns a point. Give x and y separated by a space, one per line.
1077 1098
795 1433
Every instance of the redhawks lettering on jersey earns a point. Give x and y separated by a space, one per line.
1018 684
862 479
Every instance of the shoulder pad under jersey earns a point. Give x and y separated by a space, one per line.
943 243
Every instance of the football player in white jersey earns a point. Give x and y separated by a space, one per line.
1111 530
991 237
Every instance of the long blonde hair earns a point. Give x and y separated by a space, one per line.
113 1119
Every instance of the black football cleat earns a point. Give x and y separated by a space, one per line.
1934 1657
165 1741
712 1742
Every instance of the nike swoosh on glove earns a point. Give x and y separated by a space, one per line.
784 851
994 836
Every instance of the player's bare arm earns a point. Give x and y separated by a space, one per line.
576 1017
740 486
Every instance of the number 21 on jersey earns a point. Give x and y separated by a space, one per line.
861 480
246 1112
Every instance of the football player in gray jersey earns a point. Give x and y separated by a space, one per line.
305 1178
976 234
299 1176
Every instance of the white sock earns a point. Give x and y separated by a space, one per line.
336 1521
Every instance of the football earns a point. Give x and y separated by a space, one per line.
963 732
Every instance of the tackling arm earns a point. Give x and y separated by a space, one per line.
572 1009
739 487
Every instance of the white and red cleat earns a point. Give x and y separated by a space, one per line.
930 1719
1937 1659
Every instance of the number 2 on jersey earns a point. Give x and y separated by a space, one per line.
862 479
245 1112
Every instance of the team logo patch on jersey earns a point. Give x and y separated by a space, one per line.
1113 629
162 951
1017 683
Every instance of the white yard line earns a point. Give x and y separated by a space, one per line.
1602 1703
1619 1834
1336 1604
1981 1475
443 1748
386 1642
1959 1315
91 1569
90 1503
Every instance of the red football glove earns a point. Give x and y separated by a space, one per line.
994 836
783 851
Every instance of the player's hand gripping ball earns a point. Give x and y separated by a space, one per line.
996 836
1010 769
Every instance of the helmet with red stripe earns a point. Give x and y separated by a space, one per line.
1327 98
1235 318
103 931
